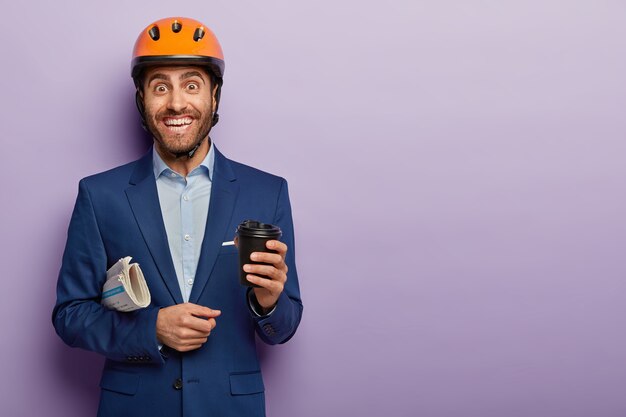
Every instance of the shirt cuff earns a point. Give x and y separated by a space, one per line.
162 351
255 307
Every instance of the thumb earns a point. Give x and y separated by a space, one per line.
202 311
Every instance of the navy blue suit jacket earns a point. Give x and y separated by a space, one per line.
117 214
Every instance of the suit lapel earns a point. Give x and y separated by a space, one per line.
224 191
144 201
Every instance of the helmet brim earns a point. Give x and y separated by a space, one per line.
215 65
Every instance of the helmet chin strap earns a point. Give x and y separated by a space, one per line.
191 153
195 148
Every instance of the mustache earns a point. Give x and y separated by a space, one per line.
170 113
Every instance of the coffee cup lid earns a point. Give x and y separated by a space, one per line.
254 228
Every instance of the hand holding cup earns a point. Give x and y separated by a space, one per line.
262 260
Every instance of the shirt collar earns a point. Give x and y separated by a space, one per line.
159 166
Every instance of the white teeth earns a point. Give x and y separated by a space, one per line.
178 122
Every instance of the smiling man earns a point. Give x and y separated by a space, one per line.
178 103
192 351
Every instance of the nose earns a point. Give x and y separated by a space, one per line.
177 101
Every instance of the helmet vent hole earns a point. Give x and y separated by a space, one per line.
154 33
176 26
198 34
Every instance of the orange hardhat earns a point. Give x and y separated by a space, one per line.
177 41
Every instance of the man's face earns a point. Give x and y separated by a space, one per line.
179 103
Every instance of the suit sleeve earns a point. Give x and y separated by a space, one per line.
78 317
281 324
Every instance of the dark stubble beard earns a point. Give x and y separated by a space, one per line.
203 132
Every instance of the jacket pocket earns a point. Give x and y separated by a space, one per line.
242 383
228 250
118 381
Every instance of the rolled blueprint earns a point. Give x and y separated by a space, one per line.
125 288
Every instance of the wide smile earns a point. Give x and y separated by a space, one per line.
177 124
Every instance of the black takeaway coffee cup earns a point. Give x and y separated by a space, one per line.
252 236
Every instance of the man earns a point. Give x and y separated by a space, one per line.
174 211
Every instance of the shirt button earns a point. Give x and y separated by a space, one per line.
186 198
172 174
187 237
190 281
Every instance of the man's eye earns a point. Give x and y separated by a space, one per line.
192 86
160 88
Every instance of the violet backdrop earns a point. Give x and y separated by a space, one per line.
456 171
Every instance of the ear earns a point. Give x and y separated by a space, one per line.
214 86
140 107
139 100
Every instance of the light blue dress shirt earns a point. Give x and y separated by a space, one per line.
184 205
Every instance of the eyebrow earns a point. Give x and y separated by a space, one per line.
188 74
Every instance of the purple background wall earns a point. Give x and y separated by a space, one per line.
457 178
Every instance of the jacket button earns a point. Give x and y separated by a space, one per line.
178 384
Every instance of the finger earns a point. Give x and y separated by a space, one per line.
236 240
192 341
191 334
267 270
202 311
178 343
199 324
277 245
268 258
187 348
275 287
